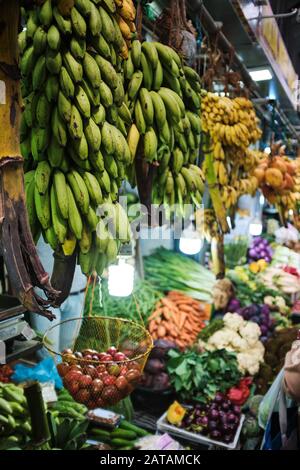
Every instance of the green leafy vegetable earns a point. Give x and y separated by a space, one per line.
172 271
198 377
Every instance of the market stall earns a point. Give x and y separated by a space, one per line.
136 152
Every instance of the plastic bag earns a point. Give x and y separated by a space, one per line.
44 371
270 401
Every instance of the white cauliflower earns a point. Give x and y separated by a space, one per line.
233 321
238 343
251 332
248 362
221 339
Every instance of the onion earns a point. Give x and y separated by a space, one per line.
216 434
212 425
213 414
219 398
236 410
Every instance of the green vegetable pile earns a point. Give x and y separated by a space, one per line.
140 304
66 407
210 329
15 427
172 271
122 438
198 377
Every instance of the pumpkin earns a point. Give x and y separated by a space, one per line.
176 413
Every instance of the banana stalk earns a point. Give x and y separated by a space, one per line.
213 185
218 259
24 268
63 274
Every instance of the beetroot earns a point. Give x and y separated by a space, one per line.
154 366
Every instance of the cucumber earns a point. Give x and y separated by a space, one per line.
99 432
131 427
124 434
11 421
5 406
3 419
17 408
13 396
125 448
118 442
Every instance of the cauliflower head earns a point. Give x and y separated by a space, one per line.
233 321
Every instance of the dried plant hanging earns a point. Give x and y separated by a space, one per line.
173 28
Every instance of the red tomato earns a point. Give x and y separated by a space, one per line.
121 383
73 387
91 371
133 375
123 370
85 381
112 351
83 396
76 367
73 375
101 368
63 369
100 402
114 369
109 380
134 365
101 355
97 387
120 357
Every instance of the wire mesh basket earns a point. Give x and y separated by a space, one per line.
104 358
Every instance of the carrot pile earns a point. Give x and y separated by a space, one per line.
178 318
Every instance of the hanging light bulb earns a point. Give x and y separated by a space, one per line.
255 228
120 279
190 242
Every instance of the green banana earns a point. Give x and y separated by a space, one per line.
158 77
73 67
39 41
64 107
27 61
136 51
42 176
139 117
85 242
51 238
42 207
39 73
53 38
82 102
78 47
75 124
78 23
111 166
99 115
177 160
84 7
32 23
93 135
42 111
59 128
124 113
159 110
59 224
102 236
150 52
108 73
106 96
147 106
60 186
53 61
52 88
108 28
92 94
84 164
171 105
147 72
97 161
93 188
150 145
80 191
91 70
80 148
128 67
164 54
92 219
55 153
66 83
45 13
63 24
101 46
135 84
74 220
95 21
107 138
